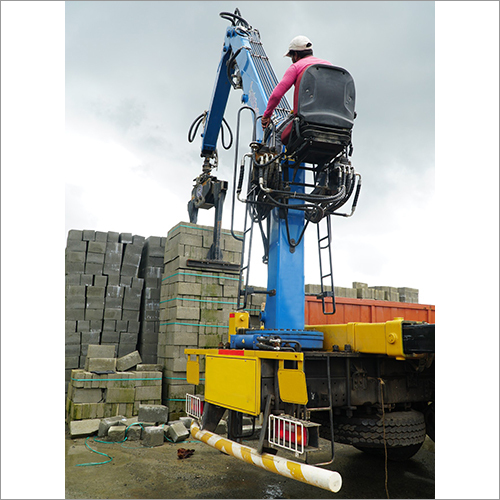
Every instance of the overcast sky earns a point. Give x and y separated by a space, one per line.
139 73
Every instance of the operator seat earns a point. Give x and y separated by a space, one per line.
324 114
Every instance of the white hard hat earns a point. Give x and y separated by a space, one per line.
300 42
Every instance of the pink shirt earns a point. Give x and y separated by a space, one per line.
290 78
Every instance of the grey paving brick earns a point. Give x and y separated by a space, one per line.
130 315
116 433
128 361
80 428
91 337
87 279
108 422
88 235
87 395
95 258
94 314
110 337
72 338
153 413
75 234
124 349
129 338
177 432
153 436
98 247
112 313
100 351
100 280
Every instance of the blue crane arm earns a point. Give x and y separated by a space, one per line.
244 65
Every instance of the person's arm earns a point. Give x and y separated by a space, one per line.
279 91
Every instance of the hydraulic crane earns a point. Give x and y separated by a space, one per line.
297 376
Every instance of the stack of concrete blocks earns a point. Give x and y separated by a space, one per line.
363 291
409 295
194 307
151 270
339 291
390 293
110 386
103 293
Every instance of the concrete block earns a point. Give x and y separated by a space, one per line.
187 421
71 362
112 313
120 395
126 238
129 315
128 361
97 247
113 236
126 281
113 303
110 337
149 368
100 351
134 433
153 413
83 326
87 395
177 432
133 327
74 268
79 428
357 284
114 280
101 281
129 270
147 393
116 433
95 258
129 338
124 349
94 314
153 436
72 350
75 234
88 235
100 364
108 422
109 325
72 338
91 268
90 338
101 236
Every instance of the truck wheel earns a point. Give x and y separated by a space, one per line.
430 421
404 433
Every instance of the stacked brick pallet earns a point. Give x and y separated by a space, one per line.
94 394
103 293
195 304
151 269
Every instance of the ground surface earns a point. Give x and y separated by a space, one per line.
139 472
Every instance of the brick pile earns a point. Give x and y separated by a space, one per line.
92 393
195 305
103 293
151 269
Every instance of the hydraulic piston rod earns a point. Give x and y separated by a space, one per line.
322 478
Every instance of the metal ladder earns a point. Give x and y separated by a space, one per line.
325 268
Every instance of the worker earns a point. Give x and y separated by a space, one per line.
301 52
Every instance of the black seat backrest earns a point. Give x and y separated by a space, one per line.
326 96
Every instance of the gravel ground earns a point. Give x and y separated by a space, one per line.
139 472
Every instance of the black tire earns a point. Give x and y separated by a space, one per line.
397 454
404 433
430 421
